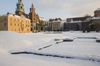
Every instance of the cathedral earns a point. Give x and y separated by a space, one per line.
20 21
32 15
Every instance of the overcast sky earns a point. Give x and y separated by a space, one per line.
53 8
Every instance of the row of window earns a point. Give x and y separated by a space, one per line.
18 25
15 25
4 24
19 20
3 19
19 30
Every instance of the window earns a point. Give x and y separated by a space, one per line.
28 25
15 29
27 29
10 24
15 24
10 18
18 24
4 24
4 18
21 7
19 29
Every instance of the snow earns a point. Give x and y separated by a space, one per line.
18 16
41 18
88 19
98 9
80 49
56 21
95 18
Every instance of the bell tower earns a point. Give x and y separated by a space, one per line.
19 9
32 14
32 17
32 9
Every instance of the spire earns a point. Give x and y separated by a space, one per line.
19 0
32 9
32 6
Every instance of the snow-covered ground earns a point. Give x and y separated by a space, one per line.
80 49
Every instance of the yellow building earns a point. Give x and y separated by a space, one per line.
15 23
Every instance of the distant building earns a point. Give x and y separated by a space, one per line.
86 23
74 23
56 25
32 15
56 19
11 22
34 18
43 25
97 13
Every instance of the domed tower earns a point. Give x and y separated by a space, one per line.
97 13
19 9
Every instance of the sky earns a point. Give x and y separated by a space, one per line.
53 8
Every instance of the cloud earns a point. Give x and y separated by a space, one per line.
75 7
54 8
85 8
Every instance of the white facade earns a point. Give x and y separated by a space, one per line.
57 25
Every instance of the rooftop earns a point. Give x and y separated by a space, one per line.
98 9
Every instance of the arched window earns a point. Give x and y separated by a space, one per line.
21 7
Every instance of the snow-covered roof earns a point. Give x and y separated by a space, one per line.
98 9
13 15
75 21
63 21
95 18
88 19
56 21
17 16
72 21
41 18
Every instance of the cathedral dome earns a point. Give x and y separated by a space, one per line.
19 7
